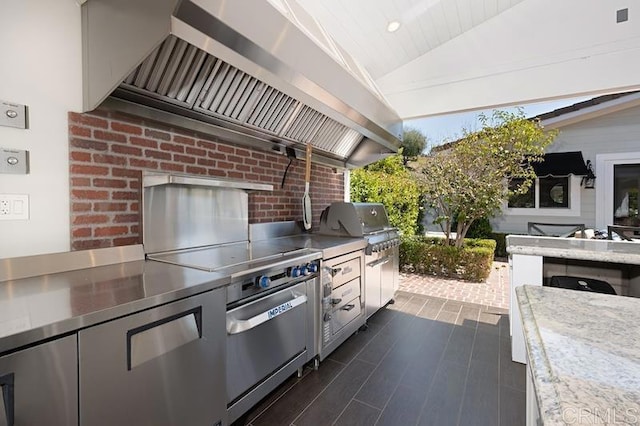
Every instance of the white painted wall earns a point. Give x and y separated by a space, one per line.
618 132
42 68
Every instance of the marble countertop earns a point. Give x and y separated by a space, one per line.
575 248
584 355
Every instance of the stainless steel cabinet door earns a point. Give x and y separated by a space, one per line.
39 385
162 366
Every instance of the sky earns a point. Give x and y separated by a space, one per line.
446 128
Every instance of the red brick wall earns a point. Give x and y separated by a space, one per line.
108 152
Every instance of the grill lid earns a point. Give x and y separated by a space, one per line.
353 219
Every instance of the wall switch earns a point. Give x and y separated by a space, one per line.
15 161
14 207
13 115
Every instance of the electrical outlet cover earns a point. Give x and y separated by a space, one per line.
14 207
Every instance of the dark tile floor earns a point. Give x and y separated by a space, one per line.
422 361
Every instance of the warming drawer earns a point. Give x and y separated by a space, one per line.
343 271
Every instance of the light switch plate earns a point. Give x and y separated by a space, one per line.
13 115
14 206
15 161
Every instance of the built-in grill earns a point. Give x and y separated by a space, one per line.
370 221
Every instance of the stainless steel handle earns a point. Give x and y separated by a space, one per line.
348 307
152 340
335 301
7 415
235 326
382 261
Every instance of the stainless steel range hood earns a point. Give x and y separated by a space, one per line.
238 69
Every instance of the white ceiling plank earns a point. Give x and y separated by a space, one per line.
464 14
440 22
469 54
490 8
450 10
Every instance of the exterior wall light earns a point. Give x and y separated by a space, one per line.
588 180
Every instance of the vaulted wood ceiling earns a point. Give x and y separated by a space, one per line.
457 55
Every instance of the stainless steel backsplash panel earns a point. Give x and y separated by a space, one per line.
181 216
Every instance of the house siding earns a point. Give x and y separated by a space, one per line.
617 132
109 151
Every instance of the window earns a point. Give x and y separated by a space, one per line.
554 192
522 201
545 193
626 183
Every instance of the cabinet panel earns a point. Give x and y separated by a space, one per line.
40 385
163 366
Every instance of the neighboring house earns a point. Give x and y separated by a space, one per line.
605 132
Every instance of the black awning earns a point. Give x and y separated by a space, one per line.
561 164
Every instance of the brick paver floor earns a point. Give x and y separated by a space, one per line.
494 292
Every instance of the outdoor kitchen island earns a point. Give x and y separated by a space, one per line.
535 260
583 353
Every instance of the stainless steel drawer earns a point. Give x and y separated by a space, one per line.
342 295
346 313
162 366
345 271
39 385
264 335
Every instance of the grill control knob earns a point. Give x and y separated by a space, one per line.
263 282
294 272
304 270
312 267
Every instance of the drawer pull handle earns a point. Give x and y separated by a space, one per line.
348 307
160 337
335 301
6 400
235 326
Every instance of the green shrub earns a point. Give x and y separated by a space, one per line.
428 256
480 228
390 183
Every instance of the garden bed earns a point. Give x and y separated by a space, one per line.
429 256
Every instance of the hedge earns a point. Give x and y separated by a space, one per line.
428 256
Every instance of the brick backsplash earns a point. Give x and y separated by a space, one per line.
108 151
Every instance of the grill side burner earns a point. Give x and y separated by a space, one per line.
382 263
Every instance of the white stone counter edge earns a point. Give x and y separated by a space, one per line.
546 393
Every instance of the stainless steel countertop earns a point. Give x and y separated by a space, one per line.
329 245
32 309
37 308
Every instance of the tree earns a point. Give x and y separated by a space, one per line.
390 183
469 180
413 144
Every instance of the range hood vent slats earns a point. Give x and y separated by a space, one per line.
233 100
197 91
210 87
169 74
160 66
305 124
186 74
182 74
